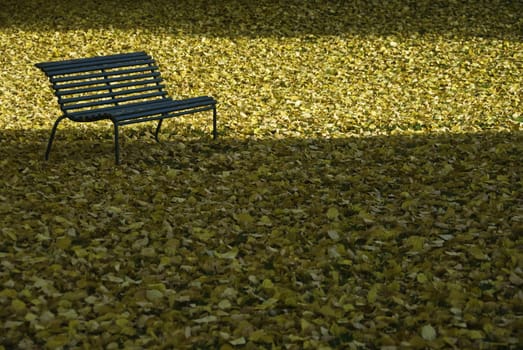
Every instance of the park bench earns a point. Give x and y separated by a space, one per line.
123 88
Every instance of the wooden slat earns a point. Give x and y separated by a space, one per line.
102 74
106 87
112 94
49 66
97 67
113 101
144 108
172 114
115 79
160 108
111 109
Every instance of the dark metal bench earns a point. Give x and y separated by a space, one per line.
125 89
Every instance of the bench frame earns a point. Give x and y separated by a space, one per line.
124 88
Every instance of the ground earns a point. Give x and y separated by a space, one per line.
365 191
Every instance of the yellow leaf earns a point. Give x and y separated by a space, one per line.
30 317
515 279
421 278
207 319
18 305
224 304
372 295
267 304
159 286
57 341
153 295
260 336
416 243
122 322
148 252
265 221
267 284
9 293
476 334
63 242
62 220
243 218
333 213
327 310
172 173
477 253
10 233
428 332
202 234
69 314
238 341
333 235
229 255
305 325
368 218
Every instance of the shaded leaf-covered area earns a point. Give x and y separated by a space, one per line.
366 189
493 19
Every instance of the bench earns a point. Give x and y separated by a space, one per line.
123 88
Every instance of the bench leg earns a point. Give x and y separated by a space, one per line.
51 138
158 130
214 130
116 145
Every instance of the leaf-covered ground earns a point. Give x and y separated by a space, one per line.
366 190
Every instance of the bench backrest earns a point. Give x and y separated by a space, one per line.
99 83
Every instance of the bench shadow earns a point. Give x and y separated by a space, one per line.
267 18
474 153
